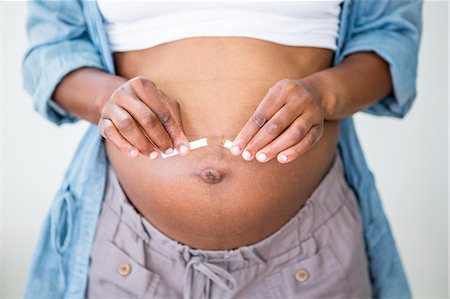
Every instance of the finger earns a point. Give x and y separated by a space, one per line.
130 130
302 147
176 110
147 120
172 127
297 131
110 132
158 103
282 119
271 103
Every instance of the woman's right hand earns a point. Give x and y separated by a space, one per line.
139 118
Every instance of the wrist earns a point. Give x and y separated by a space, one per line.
105 93
323 89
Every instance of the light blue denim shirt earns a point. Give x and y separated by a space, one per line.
66 35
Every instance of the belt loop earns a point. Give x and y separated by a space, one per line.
306 219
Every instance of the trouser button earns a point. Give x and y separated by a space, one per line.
302 275
124 269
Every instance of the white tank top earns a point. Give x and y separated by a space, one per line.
136 25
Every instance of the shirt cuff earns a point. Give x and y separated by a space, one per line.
52 76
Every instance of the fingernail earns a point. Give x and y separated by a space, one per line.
282 158
169 151
261 157
153 155
246 155
235 150
133 153
183 149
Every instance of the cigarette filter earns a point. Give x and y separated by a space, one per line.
226 143
193 145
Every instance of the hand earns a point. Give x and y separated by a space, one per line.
286 124
140 119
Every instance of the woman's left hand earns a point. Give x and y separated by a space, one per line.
287 123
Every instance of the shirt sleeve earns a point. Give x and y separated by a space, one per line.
59 43
391 29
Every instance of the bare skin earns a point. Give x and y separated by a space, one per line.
216 88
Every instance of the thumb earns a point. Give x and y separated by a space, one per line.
176 111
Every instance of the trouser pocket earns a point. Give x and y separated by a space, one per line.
114 274
317 276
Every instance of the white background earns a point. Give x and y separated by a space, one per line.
409 158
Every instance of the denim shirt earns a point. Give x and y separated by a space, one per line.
66 35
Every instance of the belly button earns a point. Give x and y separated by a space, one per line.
211 176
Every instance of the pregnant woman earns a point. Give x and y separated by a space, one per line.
287 209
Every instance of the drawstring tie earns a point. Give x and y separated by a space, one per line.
211 272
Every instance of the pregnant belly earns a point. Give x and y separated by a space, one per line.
211 199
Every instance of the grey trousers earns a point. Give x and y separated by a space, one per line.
319 253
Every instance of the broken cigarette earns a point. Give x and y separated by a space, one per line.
226 143
193 145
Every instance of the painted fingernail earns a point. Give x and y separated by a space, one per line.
246 155
282 158
153 155
133 153
183 149
235 150
169 151
261 157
